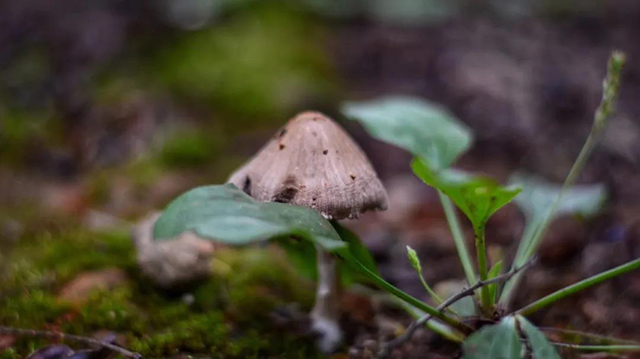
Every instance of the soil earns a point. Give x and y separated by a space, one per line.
527 88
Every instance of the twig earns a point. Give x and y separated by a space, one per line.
63 336
386 349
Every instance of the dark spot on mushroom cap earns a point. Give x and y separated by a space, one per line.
352 177
246 186
281 146
286 195
325 152
282 133
288 191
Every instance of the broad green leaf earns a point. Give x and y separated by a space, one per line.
540 346
493 288
303 255
226 214
477 197
420 127
499 341
538 196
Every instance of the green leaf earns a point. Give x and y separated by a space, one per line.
498 341
420 127
541 347
226 214
477 197
356 248
302 255
493 287
538 196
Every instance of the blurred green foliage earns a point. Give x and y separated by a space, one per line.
191 147
258 64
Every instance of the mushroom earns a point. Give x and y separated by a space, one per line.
313 162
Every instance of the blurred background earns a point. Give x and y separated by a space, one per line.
109 109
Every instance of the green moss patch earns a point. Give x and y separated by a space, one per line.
225 316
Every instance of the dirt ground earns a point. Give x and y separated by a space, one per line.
527 88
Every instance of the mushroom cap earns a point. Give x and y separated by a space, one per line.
313 162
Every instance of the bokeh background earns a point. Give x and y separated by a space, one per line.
109 109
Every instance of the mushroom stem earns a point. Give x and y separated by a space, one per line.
326 311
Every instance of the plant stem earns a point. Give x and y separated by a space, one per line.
610 89
482 267
599 348
425 319
436 298
527 236
601 339
458 238
580 286
438 327
405 296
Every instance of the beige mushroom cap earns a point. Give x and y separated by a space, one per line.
313 162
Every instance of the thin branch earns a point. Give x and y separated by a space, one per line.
63 336
386 349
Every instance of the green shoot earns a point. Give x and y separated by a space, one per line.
533 237
415 263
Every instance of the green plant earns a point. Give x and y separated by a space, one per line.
436 139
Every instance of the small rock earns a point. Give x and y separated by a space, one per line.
6 341
79 289
175 262
68 198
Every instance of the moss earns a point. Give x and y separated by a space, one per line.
256 65
20 129
141 172
52 259
227 315
191 147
